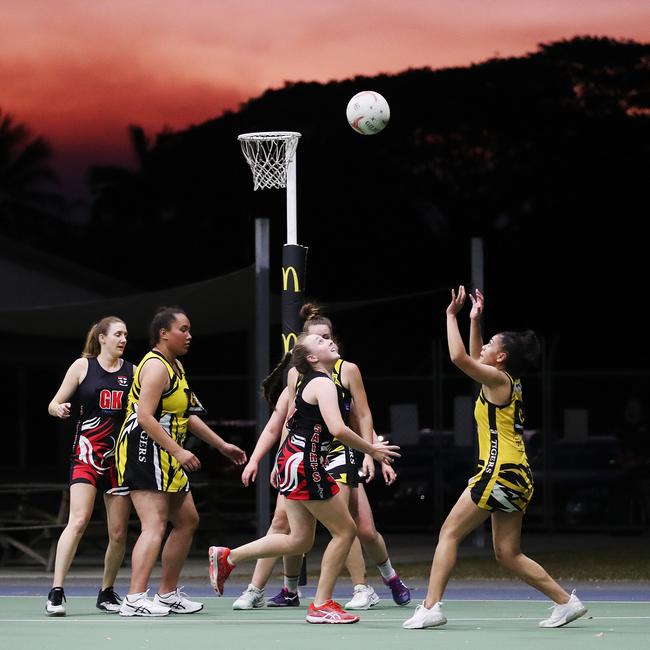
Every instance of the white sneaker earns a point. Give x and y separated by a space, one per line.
364 597
251 598
178 602
563 614
140 605
424 617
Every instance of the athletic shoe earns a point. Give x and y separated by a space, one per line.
329 612
563 614
251 598
220 568
424 617
364 597
178 602
142 606
401 593
108 601
285 598
55 600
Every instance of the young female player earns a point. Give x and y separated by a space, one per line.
151 460
311 494
344 466
97 384
503 486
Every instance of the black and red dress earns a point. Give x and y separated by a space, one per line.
301 457
101 399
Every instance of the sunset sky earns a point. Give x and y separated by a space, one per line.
80 71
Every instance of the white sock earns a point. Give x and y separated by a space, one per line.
291 583
135 596
171 593
386 570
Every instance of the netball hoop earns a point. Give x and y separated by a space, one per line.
271 155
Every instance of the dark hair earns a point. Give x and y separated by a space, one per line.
272 385
163 319
311 313
92 346
522 349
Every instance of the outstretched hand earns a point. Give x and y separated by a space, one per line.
234 453
478 302
457 301
385 453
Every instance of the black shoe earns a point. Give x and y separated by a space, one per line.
55 600
108 601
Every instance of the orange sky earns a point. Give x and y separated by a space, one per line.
80 71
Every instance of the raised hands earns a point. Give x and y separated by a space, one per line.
457 301
478 302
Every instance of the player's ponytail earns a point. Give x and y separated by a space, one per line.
92 346
522 349
272 385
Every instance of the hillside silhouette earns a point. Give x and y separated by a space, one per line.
545 157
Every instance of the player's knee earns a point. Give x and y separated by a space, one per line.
367 533
117 534
303 543
505 555
280 523
78 523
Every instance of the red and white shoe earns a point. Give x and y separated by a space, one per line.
220 568
329 612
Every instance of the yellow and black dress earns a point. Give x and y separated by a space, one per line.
343 462
504 480
141 463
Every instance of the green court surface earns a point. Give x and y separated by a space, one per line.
489 625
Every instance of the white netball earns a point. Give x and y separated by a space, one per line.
368 112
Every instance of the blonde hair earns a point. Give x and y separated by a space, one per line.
92 346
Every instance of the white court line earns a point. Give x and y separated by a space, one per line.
168 621
519 601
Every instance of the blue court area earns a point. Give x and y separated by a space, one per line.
491 614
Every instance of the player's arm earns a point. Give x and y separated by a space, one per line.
324 392
362 414
267 438
154 380
475 335
480 372
202 431
59 407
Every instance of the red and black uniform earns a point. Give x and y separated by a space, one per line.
300 459
101 399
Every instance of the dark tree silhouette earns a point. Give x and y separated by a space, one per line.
29 199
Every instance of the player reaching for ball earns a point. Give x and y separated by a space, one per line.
503 485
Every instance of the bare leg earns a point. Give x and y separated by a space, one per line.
185 520
334 514
354 562
152 508
371 540
299 539
117 519
82 500
464 517
264 566
506 538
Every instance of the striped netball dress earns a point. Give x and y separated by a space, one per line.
504 480
141 463
300 460
343 462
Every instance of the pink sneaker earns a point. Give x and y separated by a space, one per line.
220 568
329 612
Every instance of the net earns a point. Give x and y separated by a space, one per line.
268 154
